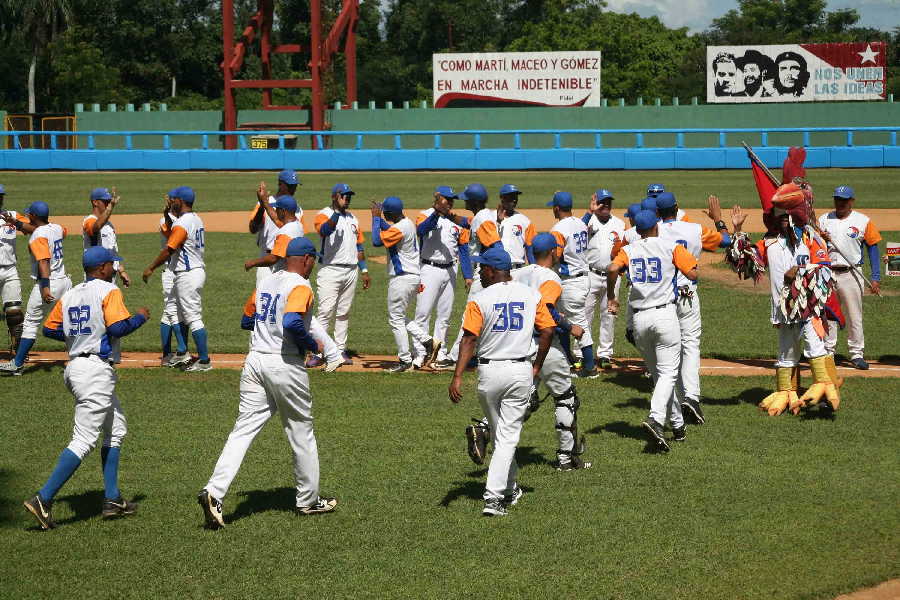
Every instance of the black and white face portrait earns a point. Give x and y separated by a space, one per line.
725 70
752 75
788 73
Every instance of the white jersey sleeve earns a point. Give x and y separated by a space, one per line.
8 241
402 245
572 234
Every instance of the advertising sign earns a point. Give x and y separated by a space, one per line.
517 78
796 72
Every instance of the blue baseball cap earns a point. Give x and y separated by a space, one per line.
476 192
392 204
98 255
646 219
543 242
495 257
173 193
655 188
289 176
842 191
648 204
2 191
446 191
561 199
300 246
101 194
286 202
633 210
603 194
342 189
665 200
38 209
185 193
509 189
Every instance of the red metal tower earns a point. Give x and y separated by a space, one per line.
321 54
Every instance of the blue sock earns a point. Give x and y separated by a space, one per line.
181 334
200 340
109 458
587 358
66 465
165 335
25 345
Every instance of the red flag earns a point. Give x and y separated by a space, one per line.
764 186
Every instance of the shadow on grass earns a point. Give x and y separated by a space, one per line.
752 395
889 359
87 505
634 402
9 512
630 379
820 412
628 430
474 488
257 501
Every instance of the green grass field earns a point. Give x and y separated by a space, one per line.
68 193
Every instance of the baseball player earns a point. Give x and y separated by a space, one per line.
184 252
555 372
343 254
49 274
10 285
572 235
605 231
396 232
442 244
849 231
263 220
695 238
91 318
285 213
631 234
652 264
274 379
502 319
515 229
98 230
654 190
168 320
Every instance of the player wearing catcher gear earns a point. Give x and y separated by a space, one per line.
91 318
442 244
184 252
274 380
652 264
263 220
502 319
49 275
168 320
98 230
555 372
10 285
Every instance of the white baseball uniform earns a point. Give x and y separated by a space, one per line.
283 237
652 264
572 234
265 235
336 279
106 236
188 242
45 243
504 317
516 232
850 235
10 285
274 380
401 242
599 254
169 314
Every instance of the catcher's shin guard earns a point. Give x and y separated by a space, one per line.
477 438
822 385
776 402
570 445
14 320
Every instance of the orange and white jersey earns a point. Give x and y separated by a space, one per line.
339 246
504 317
277 294
572 234
85 312
164 231
287 232
483 231
8 240
682 216
779 257
848 235
631 235
441 244
602 238
106 236
265 237
46 243
652 264
188 240
684 233
402 245
516 231
544 280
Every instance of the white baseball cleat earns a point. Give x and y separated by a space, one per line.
10 368
198 366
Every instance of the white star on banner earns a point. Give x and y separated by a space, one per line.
868 55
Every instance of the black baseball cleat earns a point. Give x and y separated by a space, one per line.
322 506
477 438
41 511
691 408
573 464
860 363
679 434
494 508
118 507
399 367
444 365
513 499
656 434
212 510
604 363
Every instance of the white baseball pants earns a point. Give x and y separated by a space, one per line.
400 293
169 314
572 304
93 383
850 293
556 373
188 300
688 310
658 337
36 311
439 285
596 301
476 287
335 286
791 337
329 348
271 383
503 390
10 285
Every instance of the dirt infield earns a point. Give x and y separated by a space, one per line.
889 590
369 363
237 221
